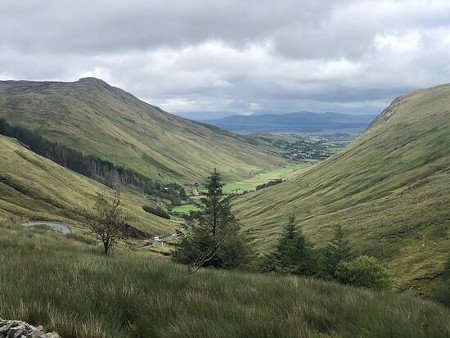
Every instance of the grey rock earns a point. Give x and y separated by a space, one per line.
20 329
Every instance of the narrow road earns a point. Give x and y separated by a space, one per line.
65 229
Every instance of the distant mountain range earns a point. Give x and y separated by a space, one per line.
293 122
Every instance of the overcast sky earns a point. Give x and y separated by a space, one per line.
234 56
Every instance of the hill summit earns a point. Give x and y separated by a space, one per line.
91 116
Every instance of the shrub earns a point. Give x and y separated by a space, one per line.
108 221
363 271
156 211
268 184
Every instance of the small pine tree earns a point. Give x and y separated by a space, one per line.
337 250
215 238
294 253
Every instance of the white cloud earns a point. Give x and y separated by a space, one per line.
409 43
239 56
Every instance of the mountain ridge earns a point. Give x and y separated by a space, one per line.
96 118
388 189
303 121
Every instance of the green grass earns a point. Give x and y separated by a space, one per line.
264 177
35 188
92 117
68 286
184 208
389 190
251 183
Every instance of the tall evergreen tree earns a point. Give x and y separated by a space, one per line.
215 237
337 250
294 253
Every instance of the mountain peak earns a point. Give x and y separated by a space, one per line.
93 81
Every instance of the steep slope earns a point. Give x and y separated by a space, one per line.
294 122
389 189
33 187
95 118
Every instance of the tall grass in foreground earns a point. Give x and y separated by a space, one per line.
70 287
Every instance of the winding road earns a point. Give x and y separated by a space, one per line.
65 229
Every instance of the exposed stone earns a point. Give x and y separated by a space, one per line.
20 329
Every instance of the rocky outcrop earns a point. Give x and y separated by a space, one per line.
19 329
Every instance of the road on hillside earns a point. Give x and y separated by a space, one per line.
65 229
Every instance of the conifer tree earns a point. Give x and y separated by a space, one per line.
294 253
337 250
214 238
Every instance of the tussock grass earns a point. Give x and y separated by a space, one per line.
68 286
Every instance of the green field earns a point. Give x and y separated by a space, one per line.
264 177
389 190
67 285
95 118
251 183
184 209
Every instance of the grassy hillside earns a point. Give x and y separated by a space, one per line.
68 286
32 187
389 189
95 118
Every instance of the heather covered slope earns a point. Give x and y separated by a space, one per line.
95 118
33 187
389 189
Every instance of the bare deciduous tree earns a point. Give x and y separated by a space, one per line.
109 222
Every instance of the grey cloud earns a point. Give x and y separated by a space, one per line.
233 55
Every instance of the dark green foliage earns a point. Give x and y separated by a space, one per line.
156 211
363 271
214 238
336 251
294 253
268 184
108 221
91 166
182 194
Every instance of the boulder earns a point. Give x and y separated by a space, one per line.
20 329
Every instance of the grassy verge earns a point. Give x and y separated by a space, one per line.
68 286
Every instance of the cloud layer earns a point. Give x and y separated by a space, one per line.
237 56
